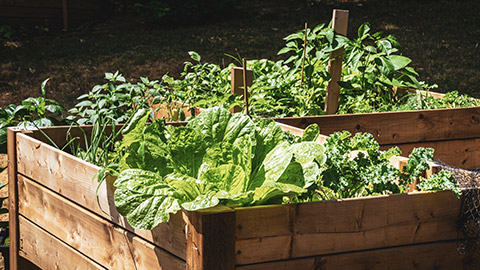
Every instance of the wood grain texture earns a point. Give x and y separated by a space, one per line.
210 238
237 83
13 195
73 178
439 256
463 153
107 244
340 25
47 252
330 227
400 127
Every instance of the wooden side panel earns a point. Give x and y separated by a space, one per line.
459 153
108 245
442 255
400 127
47 252
374 222
73 179
345 225
210 238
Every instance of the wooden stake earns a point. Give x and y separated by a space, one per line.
304 52
245 86
340 24
237 83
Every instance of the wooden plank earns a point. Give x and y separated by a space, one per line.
210 238
73 178
13 195
374 222
107 244
458 153
47 252
237 83
345 225
441 255
400 127
339 24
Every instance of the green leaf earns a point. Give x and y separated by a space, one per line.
187 149
228 177
195 56
399 61
285 50
311 133
144 198
363 30
306 152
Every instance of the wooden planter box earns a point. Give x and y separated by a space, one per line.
454 133
56 223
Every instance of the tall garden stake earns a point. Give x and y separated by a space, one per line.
339 24
245 87
304 52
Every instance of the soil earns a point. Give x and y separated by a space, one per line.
441 37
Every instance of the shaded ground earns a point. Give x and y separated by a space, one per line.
442 38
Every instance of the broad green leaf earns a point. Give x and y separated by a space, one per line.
228 177
306 152
202 201
277 161
144 198
399 61
187 149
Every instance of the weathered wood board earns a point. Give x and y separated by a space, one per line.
56 200
452 132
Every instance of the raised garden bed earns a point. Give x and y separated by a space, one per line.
453 133
55 215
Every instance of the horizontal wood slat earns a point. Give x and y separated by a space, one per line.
400 127
439 256
73 178
47 252
459 153
284 232
108 245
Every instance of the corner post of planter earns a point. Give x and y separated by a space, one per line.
13 196
237 83
210 238
339 24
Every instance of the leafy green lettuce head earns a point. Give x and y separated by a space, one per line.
219 157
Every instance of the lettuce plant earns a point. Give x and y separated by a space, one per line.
218 157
